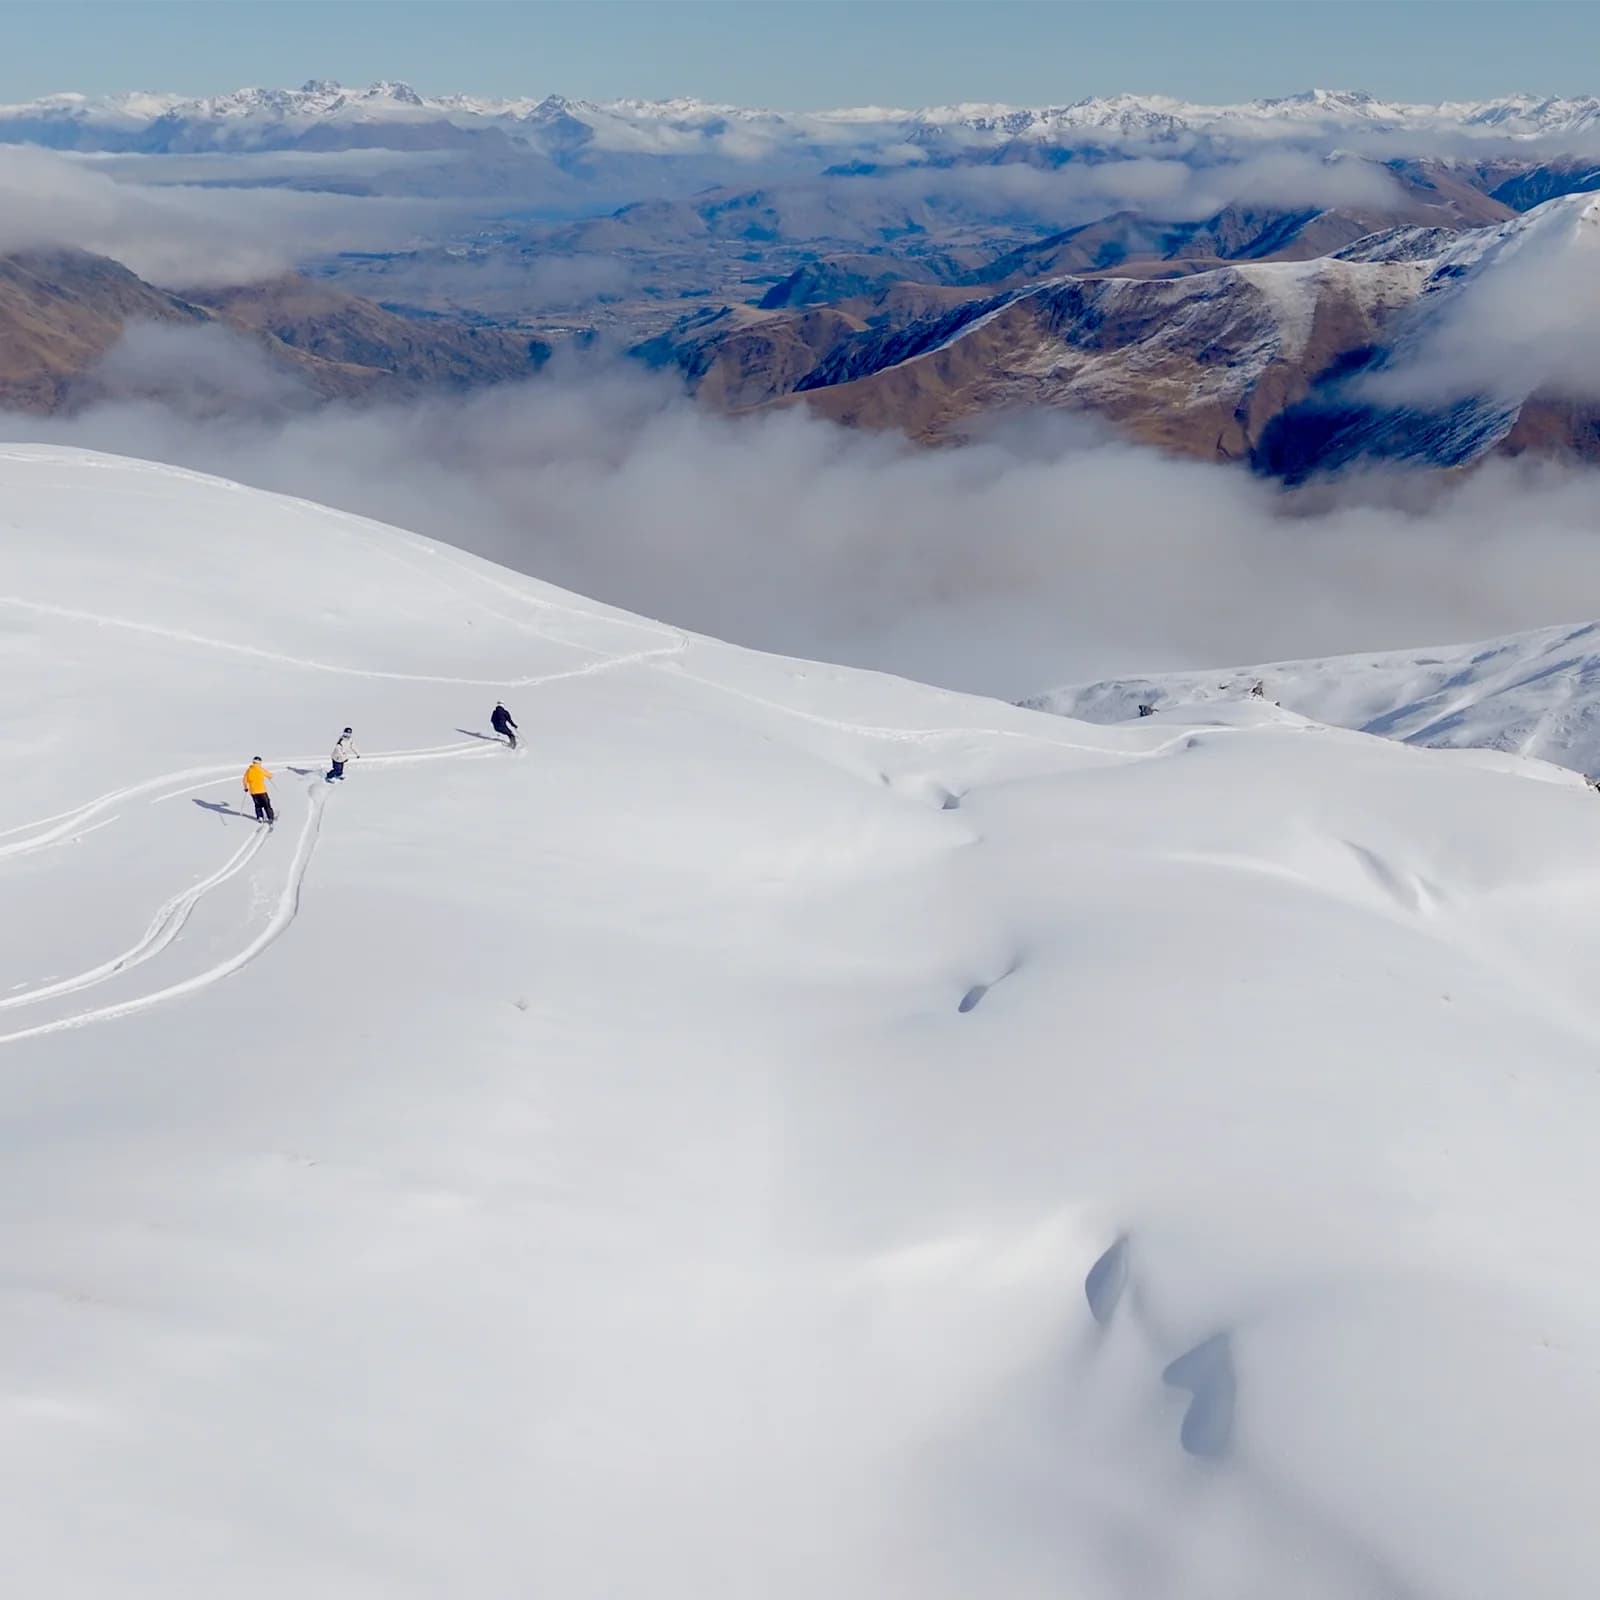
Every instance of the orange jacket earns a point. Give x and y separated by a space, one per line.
255 778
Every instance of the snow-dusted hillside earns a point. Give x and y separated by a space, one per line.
788 1131
1562 229
1201 363
1534 694
272 118
1502 324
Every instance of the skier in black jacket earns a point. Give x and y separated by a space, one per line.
503 725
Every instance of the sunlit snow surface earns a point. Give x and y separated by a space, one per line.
1529 694
788 1132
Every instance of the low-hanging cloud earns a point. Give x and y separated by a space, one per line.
178 235
1163 189
557 280
314 169
1527 322
197 371
1040 554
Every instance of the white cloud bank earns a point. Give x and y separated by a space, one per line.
1041 555
177 235
1528 321
1165 190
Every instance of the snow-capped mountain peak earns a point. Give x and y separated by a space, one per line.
400 93
1557 228
284 113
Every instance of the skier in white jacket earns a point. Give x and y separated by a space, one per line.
343 751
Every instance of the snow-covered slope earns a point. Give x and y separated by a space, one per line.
1561 228
270 118
1504 322
788 1131
1534 694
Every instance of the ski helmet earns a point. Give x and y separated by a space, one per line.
349 730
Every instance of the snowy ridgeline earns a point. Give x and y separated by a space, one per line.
786 1131
1533 694
251 115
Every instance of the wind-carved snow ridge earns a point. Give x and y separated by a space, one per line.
1050 1157
1107 1279
1207 1373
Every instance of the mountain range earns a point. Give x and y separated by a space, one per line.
1294 282
327 115
64 314
1280 361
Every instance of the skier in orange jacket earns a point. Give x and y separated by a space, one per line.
255 785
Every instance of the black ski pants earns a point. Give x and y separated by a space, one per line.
264 811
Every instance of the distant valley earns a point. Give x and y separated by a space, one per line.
1255 283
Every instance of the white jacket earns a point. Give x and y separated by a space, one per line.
345 748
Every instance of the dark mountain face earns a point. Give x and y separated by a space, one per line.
1321 436
1525 190
838 278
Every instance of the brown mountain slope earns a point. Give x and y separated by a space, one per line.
738 358
1199 364
60 311
330 325
743 359
830 279
63 311
1553 425
1426 195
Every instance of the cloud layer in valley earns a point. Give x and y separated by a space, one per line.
1041 554
176 235
1159 187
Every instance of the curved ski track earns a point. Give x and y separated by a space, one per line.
171 917
164 927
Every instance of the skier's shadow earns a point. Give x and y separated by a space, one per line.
488 738
222 809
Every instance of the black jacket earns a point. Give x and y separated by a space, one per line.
501 720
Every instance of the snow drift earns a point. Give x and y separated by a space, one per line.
787 1131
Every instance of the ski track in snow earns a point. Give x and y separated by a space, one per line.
170 919
68 824
230 647
166 925
1185 740
283 914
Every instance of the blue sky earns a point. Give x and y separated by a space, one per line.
798 53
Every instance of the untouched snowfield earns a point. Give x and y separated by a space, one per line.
789 1132
1533 694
